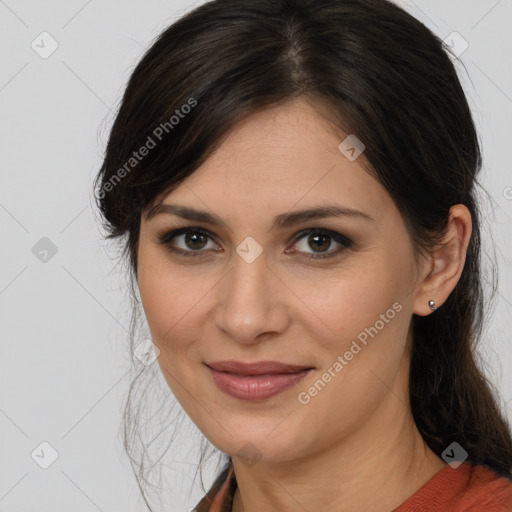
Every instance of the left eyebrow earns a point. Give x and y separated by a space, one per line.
289 219
281 221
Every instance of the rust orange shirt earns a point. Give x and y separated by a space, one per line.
468 488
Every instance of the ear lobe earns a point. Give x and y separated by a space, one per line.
446 262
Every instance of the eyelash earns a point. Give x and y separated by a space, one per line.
166 239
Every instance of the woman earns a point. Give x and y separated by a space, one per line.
296 184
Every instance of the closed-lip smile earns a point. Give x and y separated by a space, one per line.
255 381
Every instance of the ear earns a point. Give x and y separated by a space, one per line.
446 262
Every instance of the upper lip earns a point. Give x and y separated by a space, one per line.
256 368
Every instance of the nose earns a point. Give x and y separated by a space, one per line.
251 301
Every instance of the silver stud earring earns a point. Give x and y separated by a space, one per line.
432 305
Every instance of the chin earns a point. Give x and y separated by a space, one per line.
260 447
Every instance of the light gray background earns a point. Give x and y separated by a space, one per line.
64 361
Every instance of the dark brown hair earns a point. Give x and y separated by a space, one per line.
387 79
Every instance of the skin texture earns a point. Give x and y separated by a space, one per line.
354 446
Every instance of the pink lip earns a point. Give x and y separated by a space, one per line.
255 381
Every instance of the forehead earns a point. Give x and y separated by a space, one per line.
278 159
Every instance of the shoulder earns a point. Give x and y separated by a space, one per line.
466 488
486 490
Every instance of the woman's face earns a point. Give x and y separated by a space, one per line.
248 288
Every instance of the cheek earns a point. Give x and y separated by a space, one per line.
342 303
364 320
170 301
177 303
369 310
166 295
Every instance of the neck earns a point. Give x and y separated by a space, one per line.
377 468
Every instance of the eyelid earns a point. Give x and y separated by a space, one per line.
342 239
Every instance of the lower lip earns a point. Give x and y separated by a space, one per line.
255 387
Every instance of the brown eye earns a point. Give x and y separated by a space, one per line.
319 241
192 241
